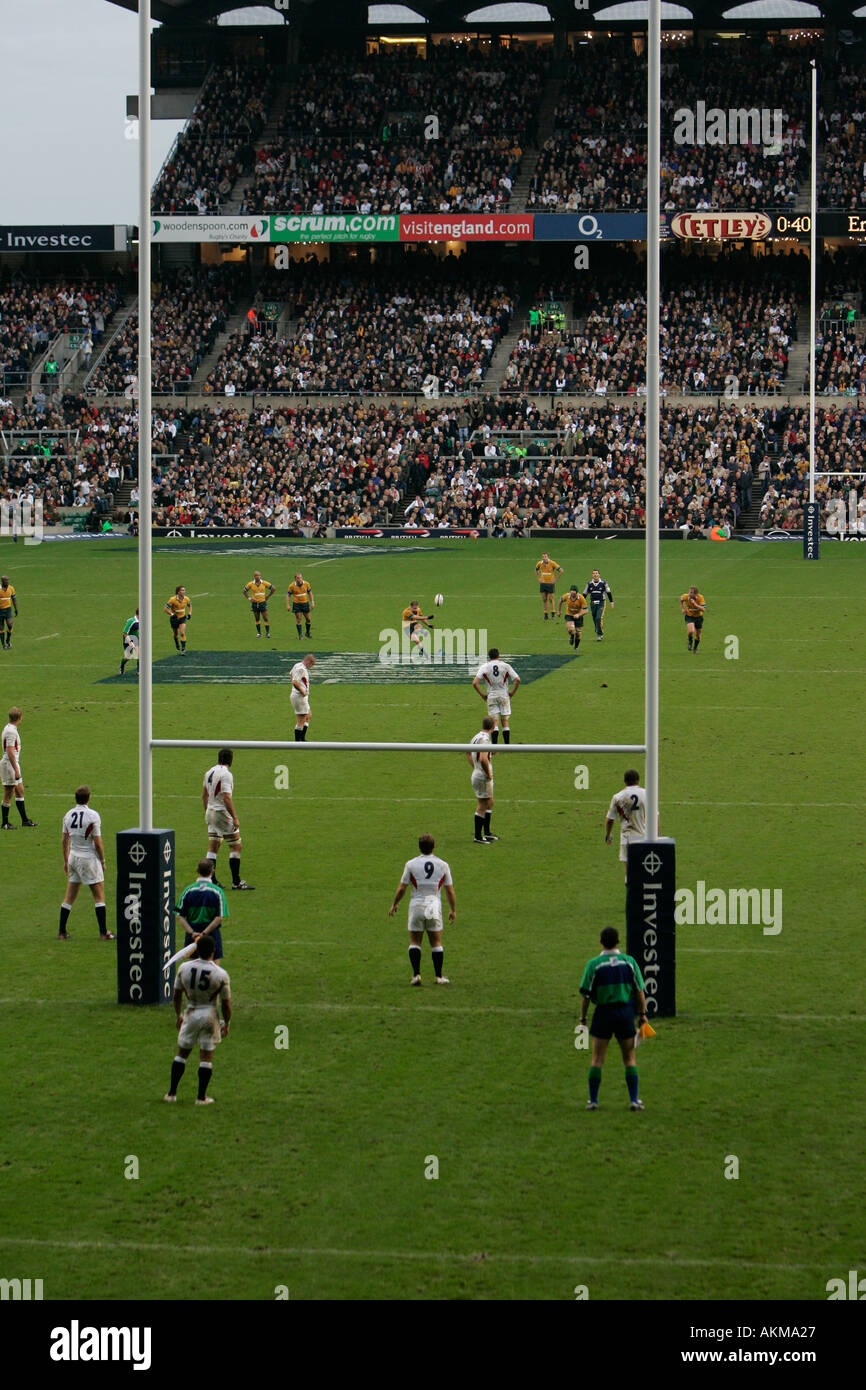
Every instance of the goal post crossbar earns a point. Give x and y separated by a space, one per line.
355 747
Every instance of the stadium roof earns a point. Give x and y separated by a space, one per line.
448 14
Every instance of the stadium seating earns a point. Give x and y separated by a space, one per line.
843 177
594 159
34 312
216 145
713 328
387 332
190 307
358 134
370 463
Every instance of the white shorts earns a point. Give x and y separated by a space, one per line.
220 824
200 1026
84 868
130 649
300 703
499 704
482 785
625 839
426 914
7 776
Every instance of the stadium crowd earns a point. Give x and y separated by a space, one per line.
190 306
386 332
594 159
487 463
714 330
360 135
34 312
217 144
843 177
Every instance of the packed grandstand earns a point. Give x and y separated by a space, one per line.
452 384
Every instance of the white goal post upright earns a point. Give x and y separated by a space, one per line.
145 857
651 863
812 509
813 276
145 433
145 877
653 237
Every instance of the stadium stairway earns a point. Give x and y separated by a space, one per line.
269 136
750 520
520 191
798 362
129 306
234 324
501 353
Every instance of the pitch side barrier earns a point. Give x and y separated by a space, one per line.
399 533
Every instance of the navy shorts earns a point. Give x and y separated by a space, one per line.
698 621
260 607
216 937
613 1020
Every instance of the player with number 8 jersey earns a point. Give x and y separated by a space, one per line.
494 684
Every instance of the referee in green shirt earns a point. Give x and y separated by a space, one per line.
613 982
201 908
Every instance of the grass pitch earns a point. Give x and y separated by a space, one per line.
309 1172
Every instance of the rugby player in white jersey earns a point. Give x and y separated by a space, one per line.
203 982
220 817
482 782
300 697
496 682
83 862
10 770
427 875
629 808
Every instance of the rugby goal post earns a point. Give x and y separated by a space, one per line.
650 900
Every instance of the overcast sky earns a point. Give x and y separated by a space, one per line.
66 67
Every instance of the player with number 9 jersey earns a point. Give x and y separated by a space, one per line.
426 875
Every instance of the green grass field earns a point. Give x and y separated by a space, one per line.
309 1172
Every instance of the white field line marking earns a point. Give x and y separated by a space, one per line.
440 1256
46 636
436 800
567 1013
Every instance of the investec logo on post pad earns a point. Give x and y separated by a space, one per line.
132 916
649 962
167 905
